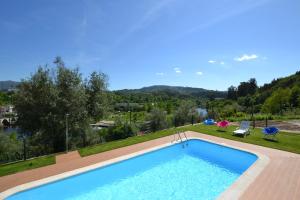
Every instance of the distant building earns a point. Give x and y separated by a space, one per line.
9 109
102 124
6 109
7 115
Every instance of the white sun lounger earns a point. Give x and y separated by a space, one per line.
244 129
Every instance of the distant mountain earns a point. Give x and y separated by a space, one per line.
175 91
8 85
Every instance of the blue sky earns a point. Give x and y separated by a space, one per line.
200 43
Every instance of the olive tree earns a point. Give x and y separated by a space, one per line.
45 99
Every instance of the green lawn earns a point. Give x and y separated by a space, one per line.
26 165
286 141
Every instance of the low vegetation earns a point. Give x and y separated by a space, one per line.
12 168
285 141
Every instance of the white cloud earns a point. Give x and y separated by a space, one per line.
177 70
246 57
212 61
199 73
222 63
160 74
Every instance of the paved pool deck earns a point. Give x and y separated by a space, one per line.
276 176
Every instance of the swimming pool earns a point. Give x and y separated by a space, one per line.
201 170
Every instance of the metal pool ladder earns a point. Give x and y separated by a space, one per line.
180 139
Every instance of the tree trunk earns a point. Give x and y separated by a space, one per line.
24 149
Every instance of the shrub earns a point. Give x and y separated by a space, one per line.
120 131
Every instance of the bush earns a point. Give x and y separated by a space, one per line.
118 132
158 120
10 147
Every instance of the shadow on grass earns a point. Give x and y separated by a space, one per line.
271 140
238 136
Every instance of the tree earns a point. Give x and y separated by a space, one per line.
277 102
169 107
193 115
247 88
96 89
184 113
4 98
252 86
158 119
119 131
10 147
35 102
245 102
295 95
71 100
43 100
232 93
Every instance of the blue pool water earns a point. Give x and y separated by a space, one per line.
202 170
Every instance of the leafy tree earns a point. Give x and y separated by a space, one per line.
277 102
119 131
294 97
184 113
193 115
252 86
4 98
71 100
43 100
10 147
169 107
247 88
158 119
96 89
35 102
246 102
232 93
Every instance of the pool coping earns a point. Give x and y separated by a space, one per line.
234 191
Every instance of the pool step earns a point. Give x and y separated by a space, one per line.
180 139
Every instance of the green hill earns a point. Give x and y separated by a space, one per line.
173 91
285 82
288 81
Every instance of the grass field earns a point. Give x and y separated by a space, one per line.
26 165
285 141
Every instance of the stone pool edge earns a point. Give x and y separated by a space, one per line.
233 192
